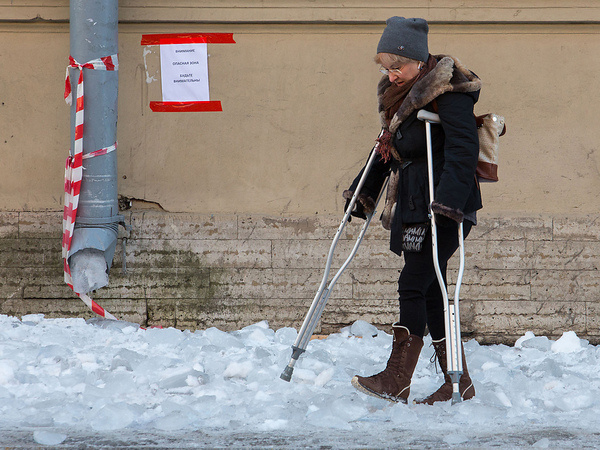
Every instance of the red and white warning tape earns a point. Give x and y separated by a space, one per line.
102 151
74 168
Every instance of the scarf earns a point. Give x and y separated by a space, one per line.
390 102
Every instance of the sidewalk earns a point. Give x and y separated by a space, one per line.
366 436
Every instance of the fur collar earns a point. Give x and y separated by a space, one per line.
449 75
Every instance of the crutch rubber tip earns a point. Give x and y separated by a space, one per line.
286 375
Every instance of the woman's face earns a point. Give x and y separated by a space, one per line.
400 74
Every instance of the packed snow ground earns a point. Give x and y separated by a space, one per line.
74 383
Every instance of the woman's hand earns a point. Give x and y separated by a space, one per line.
364 205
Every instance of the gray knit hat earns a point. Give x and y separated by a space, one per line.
405 37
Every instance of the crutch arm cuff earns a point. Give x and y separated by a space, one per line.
367 203
455 214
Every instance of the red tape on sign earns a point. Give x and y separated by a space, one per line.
187 38
185 106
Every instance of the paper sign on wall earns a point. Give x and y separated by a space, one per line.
184 72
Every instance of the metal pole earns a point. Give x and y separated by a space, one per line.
94 34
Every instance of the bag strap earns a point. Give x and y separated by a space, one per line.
478 119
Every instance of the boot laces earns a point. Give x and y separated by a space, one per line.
396 361
435 358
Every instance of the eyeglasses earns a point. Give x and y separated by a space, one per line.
396 71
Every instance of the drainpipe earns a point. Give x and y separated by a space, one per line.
94 34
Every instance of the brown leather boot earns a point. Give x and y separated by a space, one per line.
444 393
393 383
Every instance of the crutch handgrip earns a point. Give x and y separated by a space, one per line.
428 116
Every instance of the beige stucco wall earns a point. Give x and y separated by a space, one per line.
299 113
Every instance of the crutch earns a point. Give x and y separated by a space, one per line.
451 312
318 304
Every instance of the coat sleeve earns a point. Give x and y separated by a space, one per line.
374 182
461 150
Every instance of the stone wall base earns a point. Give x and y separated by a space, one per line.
195 271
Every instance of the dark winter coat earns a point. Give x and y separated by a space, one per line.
455 150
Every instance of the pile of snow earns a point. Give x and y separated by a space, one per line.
58 376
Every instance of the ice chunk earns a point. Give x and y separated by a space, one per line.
568 343
221 339
32 318
261 353
184 379
324 377
173 421
127 359
264 325
286 335
273 424
153 366
48 438
325 418
112 417
478 359
482 413
489 365
164 336
7 371
119 382
548 367
4 393
574 402
39 417
541 343
316 359
360 328
304 375
117 325
528 335
542 443
400 414
259 336
52 351
256 334
238 369
348 409
88 270
504 400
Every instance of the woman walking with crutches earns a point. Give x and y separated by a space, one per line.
414 80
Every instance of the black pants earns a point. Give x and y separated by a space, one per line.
420 297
